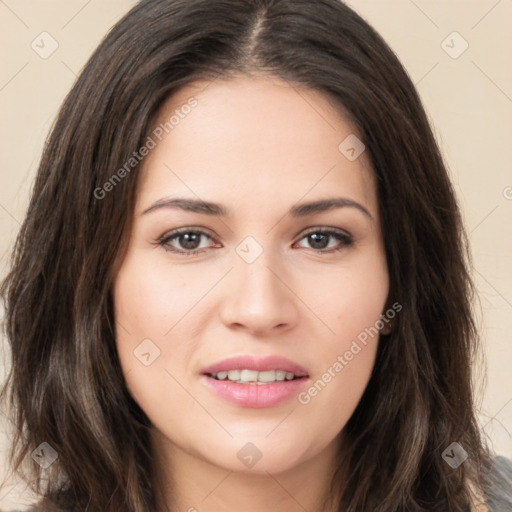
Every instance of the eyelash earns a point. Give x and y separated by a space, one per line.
345 239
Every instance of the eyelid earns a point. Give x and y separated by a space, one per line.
324 229
173 233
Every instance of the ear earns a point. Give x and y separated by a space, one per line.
388 320
388 326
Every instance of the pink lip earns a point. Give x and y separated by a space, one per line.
255 395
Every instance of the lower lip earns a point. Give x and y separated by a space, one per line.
255 395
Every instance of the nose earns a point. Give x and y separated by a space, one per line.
258 298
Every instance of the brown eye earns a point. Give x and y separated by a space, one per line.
187 241
319 240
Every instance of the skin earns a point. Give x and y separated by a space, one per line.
258 146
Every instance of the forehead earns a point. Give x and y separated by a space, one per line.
253 137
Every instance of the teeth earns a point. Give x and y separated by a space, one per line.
248 376
254 377
234 375
268 376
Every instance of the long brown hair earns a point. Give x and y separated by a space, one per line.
65 385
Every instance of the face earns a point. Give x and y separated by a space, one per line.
281 290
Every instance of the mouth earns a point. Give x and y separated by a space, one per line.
247 381
253 377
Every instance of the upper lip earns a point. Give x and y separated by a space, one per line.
261 364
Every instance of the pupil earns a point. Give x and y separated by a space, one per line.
315 243
188 244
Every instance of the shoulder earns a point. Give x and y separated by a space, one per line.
499 491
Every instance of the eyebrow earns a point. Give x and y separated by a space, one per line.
218 210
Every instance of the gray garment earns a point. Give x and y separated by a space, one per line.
500 491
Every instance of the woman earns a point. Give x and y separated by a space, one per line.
242 280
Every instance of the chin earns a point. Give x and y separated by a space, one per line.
259 455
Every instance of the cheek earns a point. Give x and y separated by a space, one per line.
150 297
152 306
142 299
349 299
338 386
144 310
353 300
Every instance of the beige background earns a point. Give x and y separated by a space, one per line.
468 98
